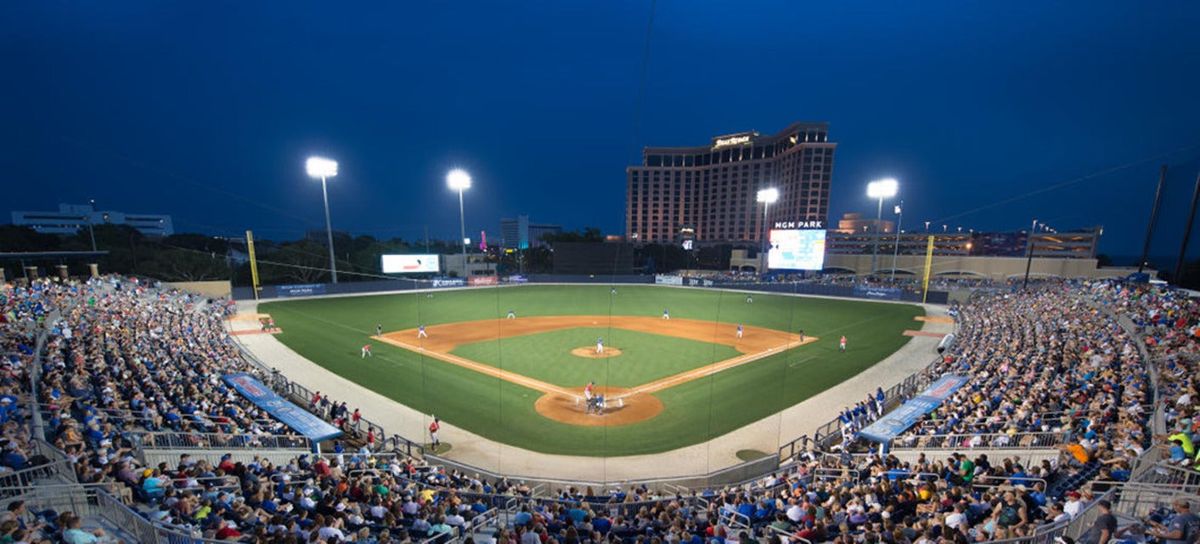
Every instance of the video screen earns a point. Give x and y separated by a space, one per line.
797 249
409 264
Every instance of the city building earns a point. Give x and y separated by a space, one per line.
70 218
712 189
853 223
520 233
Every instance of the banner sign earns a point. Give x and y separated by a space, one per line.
664 279
516 278
449 282
409 264
899 420
483 280
295 417
881 293
300 290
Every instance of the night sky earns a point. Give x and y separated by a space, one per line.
206 110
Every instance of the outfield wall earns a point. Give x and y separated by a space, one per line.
268 292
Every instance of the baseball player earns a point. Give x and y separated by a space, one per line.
842 344
589 390
366 351
379 329
749 299
599 346
740 330
421 332
801 333
512 314
433 430
612 291
666 314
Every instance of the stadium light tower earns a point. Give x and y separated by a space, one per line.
319 167
459 180
767 197
896 248
880 189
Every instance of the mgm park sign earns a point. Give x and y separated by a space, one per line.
785 225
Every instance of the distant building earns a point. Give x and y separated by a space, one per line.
853 223
520 233
70 218
712 189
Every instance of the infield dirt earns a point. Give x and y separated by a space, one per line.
565 404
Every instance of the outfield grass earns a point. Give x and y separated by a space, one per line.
644 357
329 331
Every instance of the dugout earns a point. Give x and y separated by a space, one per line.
614 258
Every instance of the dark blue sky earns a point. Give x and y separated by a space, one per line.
206 110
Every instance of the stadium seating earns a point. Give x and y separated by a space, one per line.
1110 370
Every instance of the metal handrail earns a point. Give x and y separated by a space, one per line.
1036 440
220 441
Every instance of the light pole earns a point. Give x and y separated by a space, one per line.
459 180
323 168
91 230
880 189
896 249
767 197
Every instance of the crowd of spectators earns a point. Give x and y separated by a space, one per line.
125 358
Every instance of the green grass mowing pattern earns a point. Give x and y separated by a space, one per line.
330 331
644 357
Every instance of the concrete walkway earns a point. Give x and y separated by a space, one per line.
766 434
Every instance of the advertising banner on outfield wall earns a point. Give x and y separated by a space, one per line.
409 264
295 417
881 293
483 280
300 290
665 279
897 421
448 282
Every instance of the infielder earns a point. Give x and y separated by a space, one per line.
421 332
366 351
599 346
512 314
379 329
842 344
666 314
739 331
801 333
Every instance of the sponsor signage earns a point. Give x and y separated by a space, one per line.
483 280
782 225
731 140
410 264
899 420
306 290
449 282
882 293
296 418
666 279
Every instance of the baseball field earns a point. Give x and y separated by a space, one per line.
666 383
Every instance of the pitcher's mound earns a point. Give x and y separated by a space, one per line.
626 410
590 352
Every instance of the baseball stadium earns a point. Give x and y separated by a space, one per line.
531 273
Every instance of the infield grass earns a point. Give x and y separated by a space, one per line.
329 331
644 357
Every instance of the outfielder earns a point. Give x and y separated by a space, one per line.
421 332
366 351
842 344
749 299
512 314
666 314
739 331
599 346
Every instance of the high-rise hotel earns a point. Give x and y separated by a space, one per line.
709 192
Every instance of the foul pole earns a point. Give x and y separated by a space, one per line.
928 269
253 263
